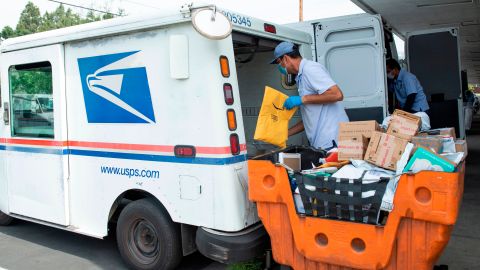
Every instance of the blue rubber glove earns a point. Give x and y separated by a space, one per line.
293 101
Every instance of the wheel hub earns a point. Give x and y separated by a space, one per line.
144 241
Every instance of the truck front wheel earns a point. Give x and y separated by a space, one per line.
5 219
147 238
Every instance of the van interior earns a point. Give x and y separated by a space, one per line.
434 59
254 71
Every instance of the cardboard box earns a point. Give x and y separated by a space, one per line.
425 160
384 150
446 132
292 160
461 146
433 143
448 144
447 140
454 157
352 147
364 128
404 125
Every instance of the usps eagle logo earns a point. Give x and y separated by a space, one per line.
115 88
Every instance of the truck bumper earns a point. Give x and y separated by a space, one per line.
233 247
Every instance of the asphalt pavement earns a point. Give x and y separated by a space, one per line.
25 245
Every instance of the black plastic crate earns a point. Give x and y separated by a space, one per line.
328 197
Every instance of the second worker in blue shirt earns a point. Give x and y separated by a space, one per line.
408 90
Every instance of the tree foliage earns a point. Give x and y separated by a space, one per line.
31 81
7 32
59 18
39 80
31 21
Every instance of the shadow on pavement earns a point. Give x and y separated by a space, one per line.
86 252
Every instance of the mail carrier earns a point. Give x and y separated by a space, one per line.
142 125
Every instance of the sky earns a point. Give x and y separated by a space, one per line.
277 11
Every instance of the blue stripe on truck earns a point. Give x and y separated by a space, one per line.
159 158
51 151
131 156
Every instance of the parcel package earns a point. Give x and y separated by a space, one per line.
353 128
272 123
425 160
446 132
447 135
404 125
461 146
352 147
384 150
432 143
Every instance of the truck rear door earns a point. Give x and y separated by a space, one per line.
353 51
434 57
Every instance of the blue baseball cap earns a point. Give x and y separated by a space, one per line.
282 49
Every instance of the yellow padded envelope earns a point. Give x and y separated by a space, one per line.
272 123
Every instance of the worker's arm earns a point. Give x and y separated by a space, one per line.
409 103
333 94
411 87
297 128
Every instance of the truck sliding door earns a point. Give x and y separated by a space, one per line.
433 56
352 49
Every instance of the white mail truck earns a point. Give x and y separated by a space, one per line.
142 126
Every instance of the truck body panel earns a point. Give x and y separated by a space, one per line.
434 57
120 110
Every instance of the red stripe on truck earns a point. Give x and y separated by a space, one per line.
122 146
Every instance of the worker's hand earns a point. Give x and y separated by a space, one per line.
293 101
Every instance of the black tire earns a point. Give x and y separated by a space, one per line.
5 219
147 238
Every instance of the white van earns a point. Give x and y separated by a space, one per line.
354 49
144 125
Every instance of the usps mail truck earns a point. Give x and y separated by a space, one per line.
141 126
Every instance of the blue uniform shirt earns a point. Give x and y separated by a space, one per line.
320 120
407 84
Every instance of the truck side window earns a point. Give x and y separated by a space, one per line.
31 100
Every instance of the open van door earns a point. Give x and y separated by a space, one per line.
434 57
353 51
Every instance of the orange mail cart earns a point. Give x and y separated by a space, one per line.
426 207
